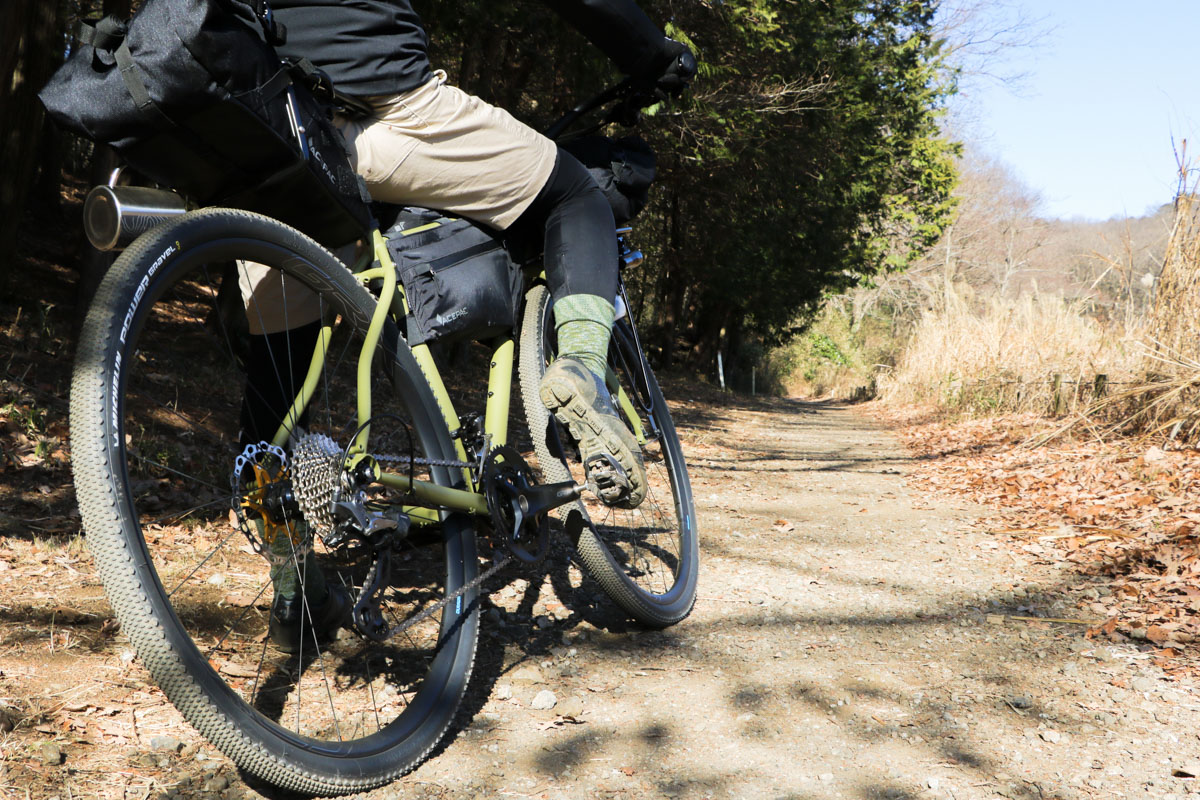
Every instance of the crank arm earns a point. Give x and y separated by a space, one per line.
537 500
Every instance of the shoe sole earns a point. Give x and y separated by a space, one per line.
594 436
330 621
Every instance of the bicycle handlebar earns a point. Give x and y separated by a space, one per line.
625 111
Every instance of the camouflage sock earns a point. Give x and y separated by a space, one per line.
583 323
287 575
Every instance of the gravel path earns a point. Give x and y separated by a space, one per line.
851 640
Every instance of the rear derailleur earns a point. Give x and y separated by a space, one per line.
313 492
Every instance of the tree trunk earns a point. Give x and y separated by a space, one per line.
671 292
712 336
31 46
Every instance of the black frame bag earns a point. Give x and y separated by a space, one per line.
192 95
458 278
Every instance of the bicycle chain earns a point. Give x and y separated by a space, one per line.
448 599
427 462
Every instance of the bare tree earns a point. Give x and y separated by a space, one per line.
990 248
982 35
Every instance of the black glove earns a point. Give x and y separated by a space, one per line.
672 73
677 72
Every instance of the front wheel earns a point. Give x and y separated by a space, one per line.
646 558
195 530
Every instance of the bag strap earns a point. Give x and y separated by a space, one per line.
137 87
85 33
277 83
104 34
321 85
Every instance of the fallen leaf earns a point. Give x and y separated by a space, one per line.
239 670
1103 630
1157 634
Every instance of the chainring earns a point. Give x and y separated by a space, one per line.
505 477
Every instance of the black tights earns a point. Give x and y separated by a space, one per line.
275 371
580 248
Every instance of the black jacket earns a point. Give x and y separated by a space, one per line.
379 47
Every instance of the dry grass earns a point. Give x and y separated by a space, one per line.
1004 354
1165 401
1175 321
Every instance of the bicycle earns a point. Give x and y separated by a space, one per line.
186 525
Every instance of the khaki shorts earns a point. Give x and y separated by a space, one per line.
437 147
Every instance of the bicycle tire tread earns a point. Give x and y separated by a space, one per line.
590 549
99 499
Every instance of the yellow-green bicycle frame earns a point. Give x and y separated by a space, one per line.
391 301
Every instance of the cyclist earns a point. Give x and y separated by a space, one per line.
430 144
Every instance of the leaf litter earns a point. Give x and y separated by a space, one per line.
1125 514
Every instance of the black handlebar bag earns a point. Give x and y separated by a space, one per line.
192 94
624 169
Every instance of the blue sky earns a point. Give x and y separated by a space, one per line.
1090 126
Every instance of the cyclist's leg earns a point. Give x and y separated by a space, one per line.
439 147
580 259
581 268
284 323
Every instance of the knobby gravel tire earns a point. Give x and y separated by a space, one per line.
154 414
645 559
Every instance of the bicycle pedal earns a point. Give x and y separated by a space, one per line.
607 479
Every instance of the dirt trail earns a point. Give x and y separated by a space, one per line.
851 640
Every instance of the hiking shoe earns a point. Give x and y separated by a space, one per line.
291 628
611 456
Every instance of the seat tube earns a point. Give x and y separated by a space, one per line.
495 420
370 341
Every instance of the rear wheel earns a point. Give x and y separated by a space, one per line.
646 558
185 535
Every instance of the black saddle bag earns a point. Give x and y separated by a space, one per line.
192 95
457 277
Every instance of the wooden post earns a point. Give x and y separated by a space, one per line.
1057 403
1099 386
